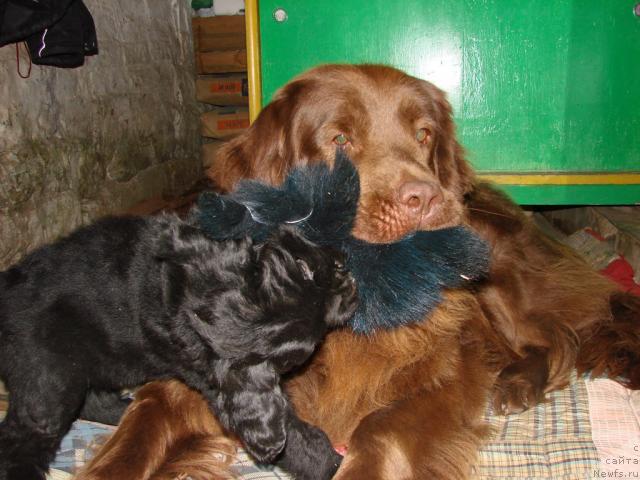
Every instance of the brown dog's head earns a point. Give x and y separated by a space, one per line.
397 129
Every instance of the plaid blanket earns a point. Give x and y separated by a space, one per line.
551 441
615 420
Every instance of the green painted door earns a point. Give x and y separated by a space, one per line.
537 87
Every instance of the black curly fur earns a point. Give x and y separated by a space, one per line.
131 299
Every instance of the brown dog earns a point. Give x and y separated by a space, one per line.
409 402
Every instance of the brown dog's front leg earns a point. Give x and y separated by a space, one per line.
434 435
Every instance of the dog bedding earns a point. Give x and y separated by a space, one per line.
553 440
615 422
584 430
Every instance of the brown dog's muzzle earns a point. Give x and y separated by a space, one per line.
414 205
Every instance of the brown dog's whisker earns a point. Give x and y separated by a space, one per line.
488 212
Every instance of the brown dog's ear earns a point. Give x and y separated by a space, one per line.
255 153
453 169
264 151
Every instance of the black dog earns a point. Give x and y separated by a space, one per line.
127 300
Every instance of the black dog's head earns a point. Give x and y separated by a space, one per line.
255 301
304 289
294 270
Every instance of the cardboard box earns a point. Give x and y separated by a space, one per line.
224 122
219 33
223 89
222 61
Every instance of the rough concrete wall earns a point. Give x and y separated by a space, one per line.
78 144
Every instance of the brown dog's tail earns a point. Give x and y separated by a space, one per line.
613 348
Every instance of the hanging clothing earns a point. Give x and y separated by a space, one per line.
58 33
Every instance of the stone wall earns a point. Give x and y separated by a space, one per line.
81 143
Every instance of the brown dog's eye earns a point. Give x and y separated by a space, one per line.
341 140
423 135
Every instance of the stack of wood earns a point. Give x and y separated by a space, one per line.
221 60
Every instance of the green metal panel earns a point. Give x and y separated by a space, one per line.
536 86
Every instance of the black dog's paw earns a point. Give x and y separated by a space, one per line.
308 454
328 465
264 439
257 414
265 453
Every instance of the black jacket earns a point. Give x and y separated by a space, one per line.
58 32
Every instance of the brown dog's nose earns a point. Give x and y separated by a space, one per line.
420 197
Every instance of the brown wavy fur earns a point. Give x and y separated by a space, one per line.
167 431
408 402
612 347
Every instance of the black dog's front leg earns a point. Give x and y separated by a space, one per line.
250 404
33 429
308 453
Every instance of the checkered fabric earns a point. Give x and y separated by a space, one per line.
551 441
247 470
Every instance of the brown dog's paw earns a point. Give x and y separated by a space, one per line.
521 385
512 395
